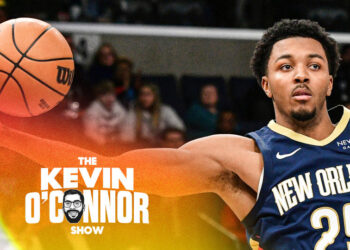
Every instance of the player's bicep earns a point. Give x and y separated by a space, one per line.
169 172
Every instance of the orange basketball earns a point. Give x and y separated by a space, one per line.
36 67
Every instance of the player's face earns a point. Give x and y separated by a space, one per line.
227 122
106 56
298 78
209 95
123 71
146 97
73 207
108 99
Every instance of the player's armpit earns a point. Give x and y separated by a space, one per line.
240 198
234 154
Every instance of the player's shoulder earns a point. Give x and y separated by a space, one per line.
222 142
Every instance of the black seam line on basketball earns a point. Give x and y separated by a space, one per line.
49 60
42 82
15 64
44 60
8 77
3 55
45 84
22 92
25 53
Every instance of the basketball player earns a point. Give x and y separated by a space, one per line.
288 182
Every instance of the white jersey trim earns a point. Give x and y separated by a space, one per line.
260 184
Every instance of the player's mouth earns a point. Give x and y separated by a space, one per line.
73 213
301 94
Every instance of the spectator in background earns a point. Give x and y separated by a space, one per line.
99 10
149 117
341 87
227 123
105 115
172 138
126 82
103 64
201 118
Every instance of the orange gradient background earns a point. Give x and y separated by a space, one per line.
174 222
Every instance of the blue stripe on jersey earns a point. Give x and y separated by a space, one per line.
305 190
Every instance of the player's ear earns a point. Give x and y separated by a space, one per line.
266 86
330 85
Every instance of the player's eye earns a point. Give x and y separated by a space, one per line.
77 203
67 203
286 67
315 66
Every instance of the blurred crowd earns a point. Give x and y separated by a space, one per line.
332 14
115 105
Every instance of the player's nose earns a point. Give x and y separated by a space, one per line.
301 75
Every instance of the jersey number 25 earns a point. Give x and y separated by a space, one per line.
328 237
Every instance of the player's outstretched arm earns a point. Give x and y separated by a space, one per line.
203 165
43 151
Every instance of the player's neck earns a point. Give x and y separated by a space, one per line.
318 128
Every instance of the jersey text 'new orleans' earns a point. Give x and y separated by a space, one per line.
304 200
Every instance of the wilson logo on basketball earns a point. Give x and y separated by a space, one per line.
64 75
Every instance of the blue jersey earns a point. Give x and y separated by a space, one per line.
304 199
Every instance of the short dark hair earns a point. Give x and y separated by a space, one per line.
98 53
104 87
293 28
208 84
74 191
125 60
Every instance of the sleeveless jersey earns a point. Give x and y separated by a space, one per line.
304 199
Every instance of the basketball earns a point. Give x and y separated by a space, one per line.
36 67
